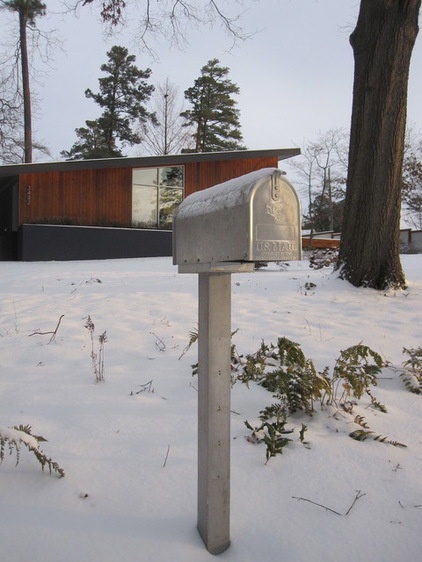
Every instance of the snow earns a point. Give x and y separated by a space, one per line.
17 437
130 457
230 194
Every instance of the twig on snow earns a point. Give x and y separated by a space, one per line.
167 456
53 337
159 343
357 497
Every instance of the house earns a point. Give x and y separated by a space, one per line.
410 241
109 208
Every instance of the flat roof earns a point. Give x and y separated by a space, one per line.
145 161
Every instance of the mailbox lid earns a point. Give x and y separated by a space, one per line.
230 194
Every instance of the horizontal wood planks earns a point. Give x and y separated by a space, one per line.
320 242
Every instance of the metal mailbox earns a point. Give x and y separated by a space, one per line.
255 217
217 232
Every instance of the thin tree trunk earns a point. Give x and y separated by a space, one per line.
166 125
382 45
27 114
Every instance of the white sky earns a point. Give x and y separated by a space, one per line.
295 75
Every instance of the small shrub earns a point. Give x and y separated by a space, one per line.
295 380
412 374
97 359
356 371
273 434
296 386
323 257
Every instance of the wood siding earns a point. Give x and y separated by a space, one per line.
320 242
88 197
201 175
103 197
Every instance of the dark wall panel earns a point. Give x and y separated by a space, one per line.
62 243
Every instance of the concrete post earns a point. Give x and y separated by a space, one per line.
214 410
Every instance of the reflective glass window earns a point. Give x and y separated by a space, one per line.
170 198
144 206
156 193
171 176
145 176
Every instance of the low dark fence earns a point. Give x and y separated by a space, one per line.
39 242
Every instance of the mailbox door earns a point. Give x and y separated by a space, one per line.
276 222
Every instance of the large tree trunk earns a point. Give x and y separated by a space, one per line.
382 45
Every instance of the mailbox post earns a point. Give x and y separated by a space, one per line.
214 410
217 232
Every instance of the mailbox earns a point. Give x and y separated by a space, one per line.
216 232
255 217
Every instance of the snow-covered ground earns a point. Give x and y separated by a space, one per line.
129 493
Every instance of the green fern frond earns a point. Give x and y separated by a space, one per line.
358 367
376 404
414 363
360 434
28 430
273 434
411 382
412 374
360 420
363 435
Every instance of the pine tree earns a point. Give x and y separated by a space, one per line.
91 144
28 11
123 94
214 114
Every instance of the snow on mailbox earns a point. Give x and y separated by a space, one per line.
255 217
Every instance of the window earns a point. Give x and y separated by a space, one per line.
156 193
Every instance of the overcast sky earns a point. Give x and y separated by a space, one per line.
295 74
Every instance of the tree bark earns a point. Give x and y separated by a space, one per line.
382 44
27 114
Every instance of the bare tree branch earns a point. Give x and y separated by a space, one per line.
169 19
358 495
54 332
168 135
